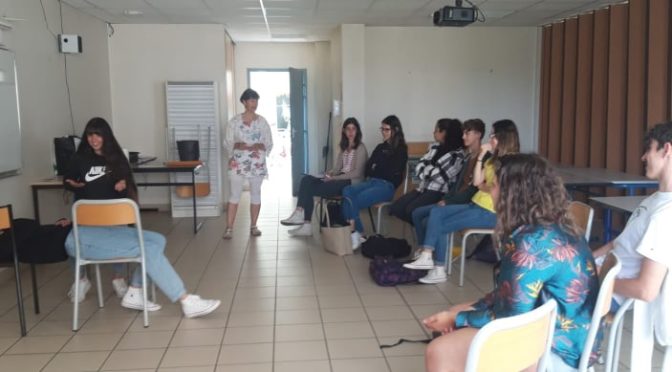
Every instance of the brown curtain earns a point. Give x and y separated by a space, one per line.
605 78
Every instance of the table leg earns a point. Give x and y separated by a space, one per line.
193 199
607 225
36 204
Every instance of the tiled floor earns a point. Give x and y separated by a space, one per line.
286 306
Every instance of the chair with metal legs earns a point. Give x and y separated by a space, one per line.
113 212
7 227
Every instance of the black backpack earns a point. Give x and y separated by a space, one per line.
388 272
380 246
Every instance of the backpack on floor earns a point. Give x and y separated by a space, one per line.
484 251
378 245
388 272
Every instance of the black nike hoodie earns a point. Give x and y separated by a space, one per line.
93 172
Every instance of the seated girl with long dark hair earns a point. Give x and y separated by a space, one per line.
100 170
437 170
349 170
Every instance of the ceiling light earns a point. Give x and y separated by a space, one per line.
132 12
263 11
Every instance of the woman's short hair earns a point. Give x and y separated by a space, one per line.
474 125
530 193
345 143
506 133
249 94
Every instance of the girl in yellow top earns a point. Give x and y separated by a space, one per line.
480 213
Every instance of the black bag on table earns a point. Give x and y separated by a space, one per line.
380 246
64 149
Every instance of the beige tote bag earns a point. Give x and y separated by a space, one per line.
335 239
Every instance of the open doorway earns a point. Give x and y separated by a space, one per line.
283 103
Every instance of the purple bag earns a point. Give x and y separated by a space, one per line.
388 272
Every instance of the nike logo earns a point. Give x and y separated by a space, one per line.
94 173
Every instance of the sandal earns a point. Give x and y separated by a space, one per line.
228 233
254 231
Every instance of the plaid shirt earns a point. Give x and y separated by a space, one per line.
440 175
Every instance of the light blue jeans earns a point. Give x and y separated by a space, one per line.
364 195
452 218
420 216
120 241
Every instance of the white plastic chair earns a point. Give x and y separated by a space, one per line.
514 343
610 268
112 212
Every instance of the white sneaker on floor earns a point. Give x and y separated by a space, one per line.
194 306
304 230
356 239
435 276
424 262
133 300
84 286
120 287
416 254
295 219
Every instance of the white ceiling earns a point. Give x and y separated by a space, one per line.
312 20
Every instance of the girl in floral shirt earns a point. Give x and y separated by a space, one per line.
543 257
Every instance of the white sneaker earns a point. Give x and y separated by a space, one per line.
417 254
295 219
434 276
424 262
356 239
304 230
133 300
194 306
120 287
84 286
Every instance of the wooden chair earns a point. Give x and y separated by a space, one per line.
608 272
514 343
582 214
113 212
6 226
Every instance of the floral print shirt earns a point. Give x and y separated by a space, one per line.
248 163
539 263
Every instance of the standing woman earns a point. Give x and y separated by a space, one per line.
99 170
437 170
384 172
248 141
349 169
544 256
479 213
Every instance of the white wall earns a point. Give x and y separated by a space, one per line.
142 59
424 73
315 58
43 95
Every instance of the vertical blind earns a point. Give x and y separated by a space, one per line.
605 79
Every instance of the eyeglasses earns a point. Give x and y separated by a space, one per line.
384 129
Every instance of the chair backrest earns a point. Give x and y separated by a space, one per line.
582 214
607 274
5 217
112 212
514 343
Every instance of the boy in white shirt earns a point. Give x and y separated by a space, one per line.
643 246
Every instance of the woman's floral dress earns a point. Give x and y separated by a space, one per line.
248 163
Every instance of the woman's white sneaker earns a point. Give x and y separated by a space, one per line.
84 286
120 287
304 230
356 240
133 300
295 219
194 306
435 276
424 262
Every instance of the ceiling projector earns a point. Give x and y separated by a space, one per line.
455 16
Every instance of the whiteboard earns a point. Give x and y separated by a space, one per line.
10 126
